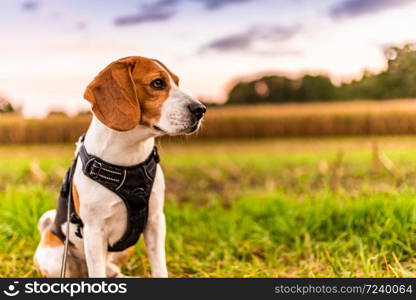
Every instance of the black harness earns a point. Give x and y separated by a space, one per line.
132 184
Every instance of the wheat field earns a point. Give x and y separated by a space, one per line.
255 121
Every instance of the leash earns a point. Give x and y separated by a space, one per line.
65 254
68 180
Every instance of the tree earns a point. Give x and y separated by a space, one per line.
398 80
279 89
5 106
316 88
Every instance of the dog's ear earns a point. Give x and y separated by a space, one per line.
113 96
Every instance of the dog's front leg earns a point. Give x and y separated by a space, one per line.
155 232
154 236
95 249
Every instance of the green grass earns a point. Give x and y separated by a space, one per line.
292 207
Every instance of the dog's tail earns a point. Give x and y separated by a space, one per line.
46 220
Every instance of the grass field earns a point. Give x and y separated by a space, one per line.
342 207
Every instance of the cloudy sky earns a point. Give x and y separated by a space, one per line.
51 49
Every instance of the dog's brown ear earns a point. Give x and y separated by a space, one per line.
113 96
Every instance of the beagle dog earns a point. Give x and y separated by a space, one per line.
134 100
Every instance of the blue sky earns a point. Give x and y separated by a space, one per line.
51 49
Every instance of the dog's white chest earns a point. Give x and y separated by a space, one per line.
101 208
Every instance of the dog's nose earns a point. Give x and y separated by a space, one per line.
197 109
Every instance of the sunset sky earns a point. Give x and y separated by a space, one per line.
51 49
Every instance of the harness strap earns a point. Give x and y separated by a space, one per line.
100 170
66 193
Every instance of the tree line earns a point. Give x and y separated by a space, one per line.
398 80
5 105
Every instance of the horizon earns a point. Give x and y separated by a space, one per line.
55 48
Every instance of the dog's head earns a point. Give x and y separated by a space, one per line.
136 91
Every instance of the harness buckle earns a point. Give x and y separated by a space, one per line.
77 221
95 169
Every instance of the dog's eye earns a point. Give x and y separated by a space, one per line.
158 84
